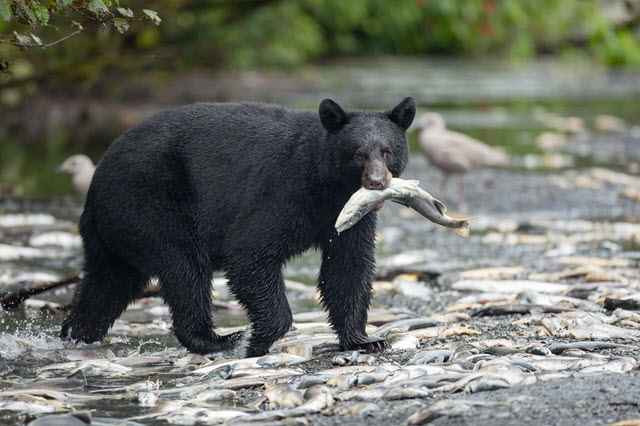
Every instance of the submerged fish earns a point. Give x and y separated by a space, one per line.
405 192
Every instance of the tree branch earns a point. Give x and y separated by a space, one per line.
14 43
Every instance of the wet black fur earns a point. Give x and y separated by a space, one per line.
239 188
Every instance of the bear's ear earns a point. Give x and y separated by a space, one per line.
332 116
404 113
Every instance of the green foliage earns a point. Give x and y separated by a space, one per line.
36 14
241 34
5 10
152 15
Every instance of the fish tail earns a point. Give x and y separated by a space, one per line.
463 229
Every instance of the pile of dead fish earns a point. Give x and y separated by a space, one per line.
447 352
558 314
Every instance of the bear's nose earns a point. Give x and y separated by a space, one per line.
374 184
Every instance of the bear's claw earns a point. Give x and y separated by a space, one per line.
375 344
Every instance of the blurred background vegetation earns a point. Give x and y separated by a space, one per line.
51 94
242 34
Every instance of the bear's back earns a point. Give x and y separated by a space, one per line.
223 162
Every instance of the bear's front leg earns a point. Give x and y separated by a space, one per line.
345 283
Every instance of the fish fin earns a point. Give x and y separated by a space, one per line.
441 207
463 230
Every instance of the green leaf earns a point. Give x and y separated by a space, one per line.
98 7
5 10
61 4
153 15
121 24
125 12
28 13
41 12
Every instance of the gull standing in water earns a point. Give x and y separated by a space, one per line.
453 152
81 169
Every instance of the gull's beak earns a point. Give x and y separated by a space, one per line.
58 170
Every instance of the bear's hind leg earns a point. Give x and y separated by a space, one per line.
261 291
187 291
108 286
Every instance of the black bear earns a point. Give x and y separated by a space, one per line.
239 188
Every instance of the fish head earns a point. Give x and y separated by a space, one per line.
370 147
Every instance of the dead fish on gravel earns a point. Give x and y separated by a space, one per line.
76 380
405 192
190 359
619 365
33 404
358 409
304 350
177 412
214 395
145 399
402 375
90 367
282 395
558 348
402 341
316 398
266 372
233 363
308 380
447 407
367 378
353 358
275 360
503 350
79 418
488 380
558 363
382 392
405 325
431 357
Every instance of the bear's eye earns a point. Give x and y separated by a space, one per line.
361 157
386 155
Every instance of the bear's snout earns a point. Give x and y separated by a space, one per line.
374 184
376 176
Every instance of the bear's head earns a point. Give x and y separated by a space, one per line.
371 147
